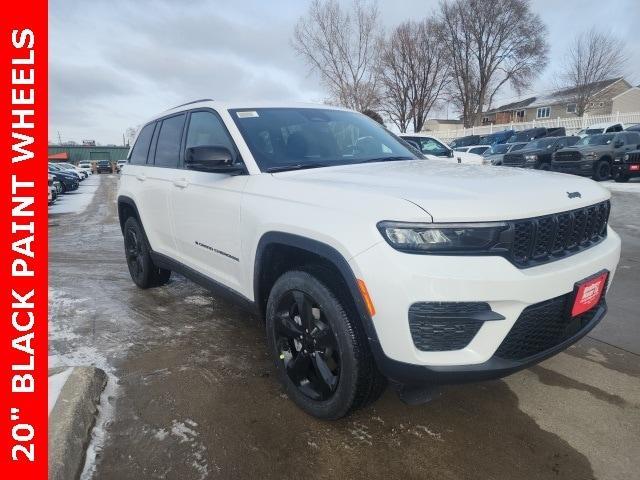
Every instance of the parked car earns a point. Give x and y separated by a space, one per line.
634 127
497 137
85 166
535 133
104 166
477 149
365 261
593 155
607 127
465 141
68 171
627 166
433 147
537 154
53 192
68 166
120 164
68 180
495 155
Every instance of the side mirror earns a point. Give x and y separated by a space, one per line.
450 153
211 158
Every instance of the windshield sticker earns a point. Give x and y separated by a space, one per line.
247 114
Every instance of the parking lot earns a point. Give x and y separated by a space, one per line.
192 393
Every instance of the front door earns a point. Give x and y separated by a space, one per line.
206 208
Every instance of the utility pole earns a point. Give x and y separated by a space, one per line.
59 138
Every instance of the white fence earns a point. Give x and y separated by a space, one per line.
571 124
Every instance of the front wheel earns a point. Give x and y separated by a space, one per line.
322 356
602 170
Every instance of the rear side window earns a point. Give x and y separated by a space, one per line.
141 147
168 147
205 128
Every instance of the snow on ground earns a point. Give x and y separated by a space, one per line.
56 382
632 186
78 200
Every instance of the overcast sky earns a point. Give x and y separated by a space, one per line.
115 63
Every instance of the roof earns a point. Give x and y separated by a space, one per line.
551 98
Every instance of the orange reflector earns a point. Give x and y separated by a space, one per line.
365 296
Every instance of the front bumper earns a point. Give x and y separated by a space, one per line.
627 169
581 167
396 281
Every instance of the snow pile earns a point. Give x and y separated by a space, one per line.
78 200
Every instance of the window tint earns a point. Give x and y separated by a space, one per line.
168 147
141 147
433 147
633 138
205 128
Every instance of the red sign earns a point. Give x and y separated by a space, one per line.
588 293
23 240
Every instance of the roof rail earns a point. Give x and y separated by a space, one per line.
194 101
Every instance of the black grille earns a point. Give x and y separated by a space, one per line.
513 159
569 156
541 239
441 326
633 157
543 326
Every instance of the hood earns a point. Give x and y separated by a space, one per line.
459 157
452 192
587 148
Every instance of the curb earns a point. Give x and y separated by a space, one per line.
71 420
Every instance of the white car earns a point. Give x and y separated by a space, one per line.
365 261
477 149
596 128
120 164
69 166
85 167
433 147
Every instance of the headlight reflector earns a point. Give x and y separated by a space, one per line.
441 237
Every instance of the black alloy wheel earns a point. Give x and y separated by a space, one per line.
307 345
602 170
133 251
144 272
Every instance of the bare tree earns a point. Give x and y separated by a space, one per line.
414 71
130 135
341 47
491 43
593 57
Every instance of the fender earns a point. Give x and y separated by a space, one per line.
327 252
124 200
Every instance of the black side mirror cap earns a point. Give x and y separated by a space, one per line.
212 158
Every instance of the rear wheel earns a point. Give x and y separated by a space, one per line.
545 166
322 357
143 271
602 170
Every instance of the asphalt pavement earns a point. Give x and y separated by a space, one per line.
193 394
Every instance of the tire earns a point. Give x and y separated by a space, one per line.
144 273
602 170
330 378
621 177
546 166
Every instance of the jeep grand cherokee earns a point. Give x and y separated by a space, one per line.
367 262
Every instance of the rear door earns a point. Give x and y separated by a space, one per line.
156 179
207 207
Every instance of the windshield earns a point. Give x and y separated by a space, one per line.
602 139
465 141
293 138
542 143
497 149
592 131
517 146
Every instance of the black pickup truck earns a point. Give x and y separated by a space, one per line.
104 166
537 154
627 166
594 155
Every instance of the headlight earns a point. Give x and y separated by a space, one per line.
442 237
626 157
531 158
590 155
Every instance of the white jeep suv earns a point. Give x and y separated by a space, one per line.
367 262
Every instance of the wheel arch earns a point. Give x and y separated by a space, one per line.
127 208
295 250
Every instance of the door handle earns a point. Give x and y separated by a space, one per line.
182 183
141 177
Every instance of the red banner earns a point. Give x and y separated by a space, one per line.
23 254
